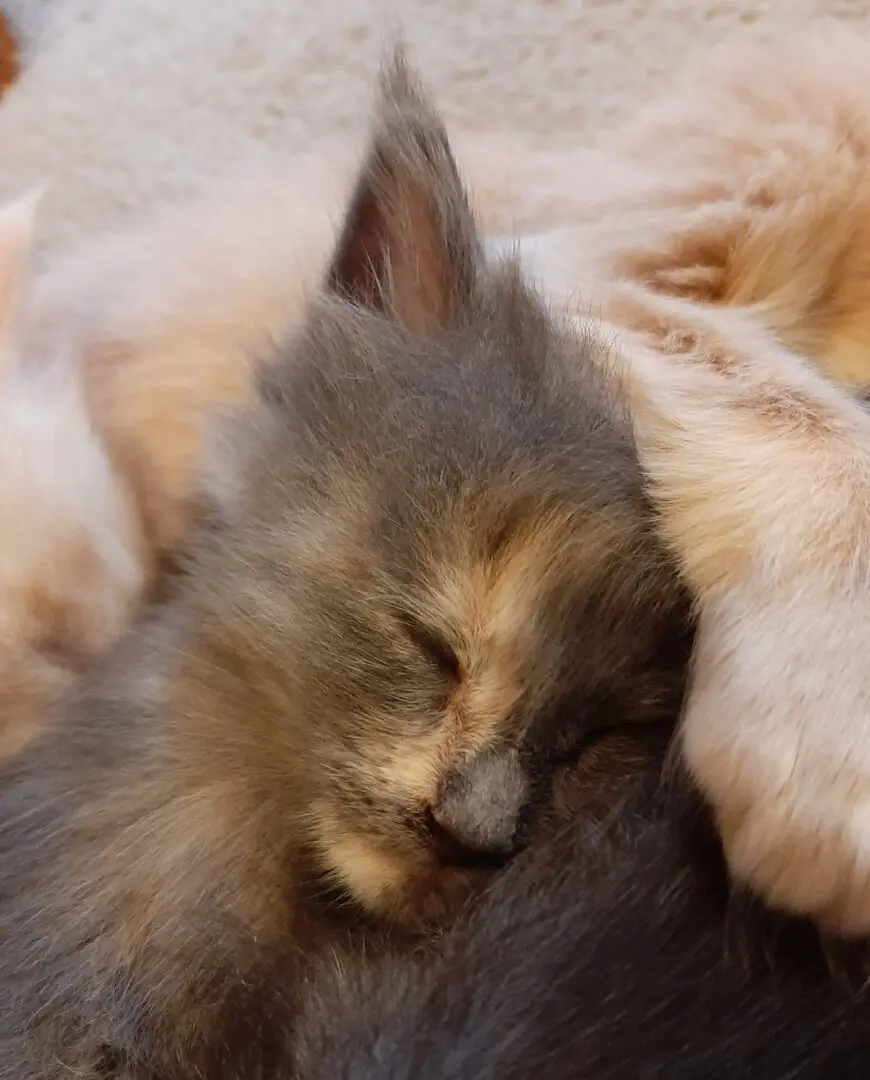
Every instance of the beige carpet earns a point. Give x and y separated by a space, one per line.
126 102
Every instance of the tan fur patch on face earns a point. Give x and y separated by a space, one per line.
488 610
415 767
496 604
409 889
373 874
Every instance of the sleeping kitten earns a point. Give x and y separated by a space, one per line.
72 558
127 350
606 950
425 577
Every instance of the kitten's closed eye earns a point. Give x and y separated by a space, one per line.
433 646
576 724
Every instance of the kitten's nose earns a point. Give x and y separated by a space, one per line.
476 817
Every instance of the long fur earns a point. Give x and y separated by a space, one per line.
744 186
753 193
426 573
724 240
761 468
73 558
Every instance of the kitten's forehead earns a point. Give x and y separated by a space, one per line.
416 460
511 386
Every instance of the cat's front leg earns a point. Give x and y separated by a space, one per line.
761 470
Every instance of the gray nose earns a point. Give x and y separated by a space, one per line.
479 806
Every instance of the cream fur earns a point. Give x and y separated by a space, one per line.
168 318
132 103
72 561
748 185
762 471
724 240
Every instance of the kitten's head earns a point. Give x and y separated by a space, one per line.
435 577
71 563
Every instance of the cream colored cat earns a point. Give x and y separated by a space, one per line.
724 235
169 317
72 558
762 471
747 186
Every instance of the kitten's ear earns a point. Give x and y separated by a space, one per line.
409 247
17 222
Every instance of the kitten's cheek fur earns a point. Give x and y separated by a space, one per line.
371 876
410 888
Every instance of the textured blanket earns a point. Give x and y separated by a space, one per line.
128 102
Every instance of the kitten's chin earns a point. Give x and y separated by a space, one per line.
414 891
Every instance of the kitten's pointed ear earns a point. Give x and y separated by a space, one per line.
17 223
409 247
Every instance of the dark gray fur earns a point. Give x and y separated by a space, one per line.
608 952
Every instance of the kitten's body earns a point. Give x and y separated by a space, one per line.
610 950
368 678
759 197
761 468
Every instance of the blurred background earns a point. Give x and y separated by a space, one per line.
123 102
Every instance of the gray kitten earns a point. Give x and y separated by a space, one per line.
427 577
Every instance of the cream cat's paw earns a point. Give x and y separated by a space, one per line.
791 794
761 471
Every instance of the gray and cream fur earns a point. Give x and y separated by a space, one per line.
425 575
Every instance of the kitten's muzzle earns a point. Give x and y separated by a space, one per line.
476 819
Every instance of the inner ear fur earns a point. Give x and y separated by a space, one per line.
409 248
